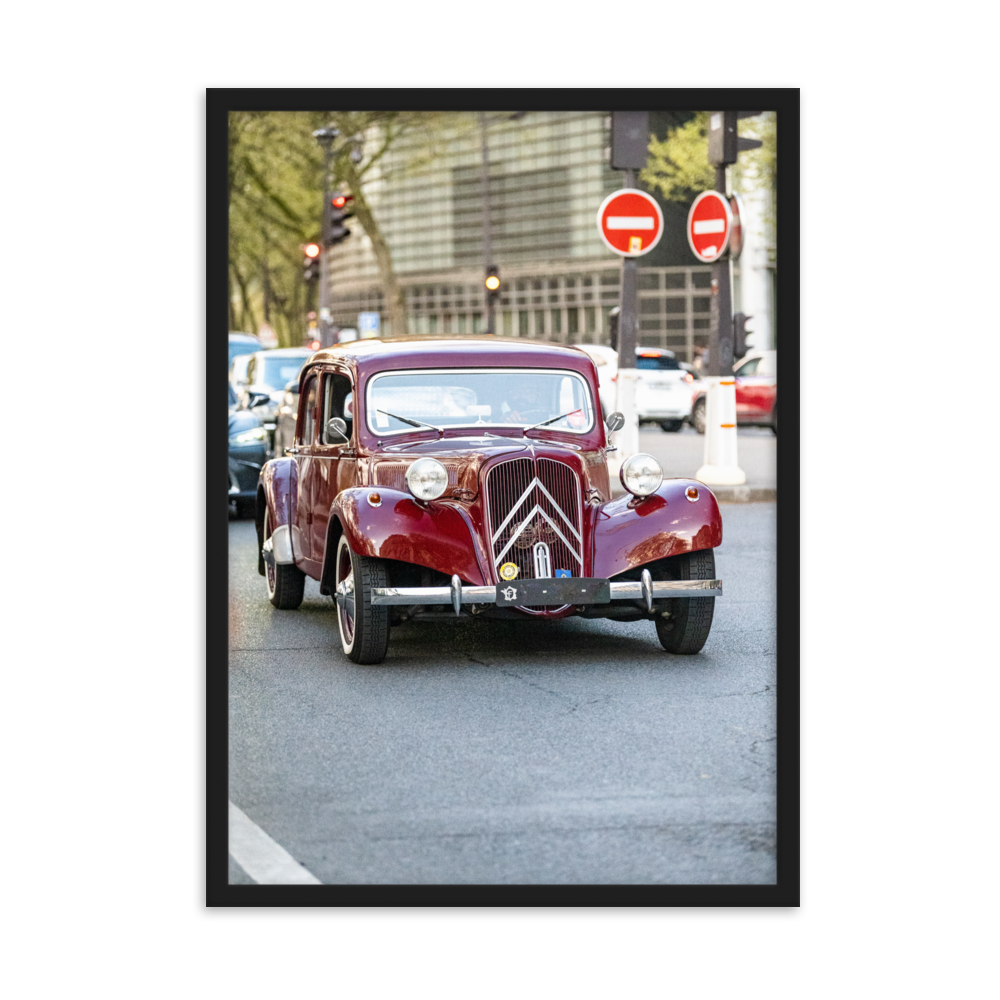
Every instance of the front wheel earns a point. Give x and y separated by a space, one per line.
698 416
671 426
286 584
686 630
364 627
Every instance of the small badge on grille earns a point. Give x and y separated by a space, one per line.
508 570
510 593
563 572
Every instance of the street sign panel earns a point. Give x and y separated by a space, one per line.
630 222
368 325
709 224
736 234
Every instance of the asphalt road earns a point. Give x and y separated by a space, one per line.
508 753
683 453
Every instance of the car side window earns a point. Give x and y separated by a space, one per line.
338 400
750 368
308 418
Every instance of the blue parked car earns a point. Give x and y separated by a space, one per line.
247 453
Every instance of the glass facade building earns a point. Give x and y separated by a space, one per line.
548 173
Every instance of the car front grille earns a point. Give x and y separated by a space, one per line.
528 502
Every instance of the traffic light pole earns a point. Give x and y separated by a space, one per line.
628 323
720 342
487 231
324 293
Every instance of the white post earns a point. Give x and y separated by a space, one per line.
721 466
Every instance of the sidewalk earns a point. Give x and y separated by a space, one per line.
682 454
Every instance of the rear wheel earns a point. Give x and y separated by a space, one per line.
671 426
698 415
364 627
286 584
774 420
690 621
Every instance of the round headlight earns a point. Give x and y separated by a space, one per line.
641 475
427 479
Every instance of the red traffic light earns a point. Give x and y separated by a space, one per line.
312 250
314 345
341 200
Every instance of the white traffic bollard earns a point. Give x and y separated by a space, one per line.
626 441
722 467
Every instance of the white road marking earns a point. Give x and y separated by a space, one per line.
709 226
629 222
262 858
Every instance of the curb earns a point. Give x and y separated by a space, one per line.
727 494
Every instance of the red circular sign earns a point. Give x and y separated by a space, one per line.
710 222
630 222
736 236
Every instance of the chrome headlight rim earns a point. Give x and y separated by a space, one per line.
653 477
427 479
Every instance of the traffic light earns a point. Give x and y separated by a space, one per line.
723 141
492 285
310 266
338 209
740 335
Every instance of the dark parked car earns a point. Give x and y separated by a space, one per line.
268 372
247 454
467 476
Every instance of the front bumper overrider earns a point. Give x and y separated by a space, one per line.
545 592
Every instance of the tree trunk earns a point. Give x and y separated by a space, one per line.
395 296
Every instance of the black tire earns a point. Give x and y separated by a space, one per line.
686 630
286 584
698 415
365 633
671 426
246 508
774 420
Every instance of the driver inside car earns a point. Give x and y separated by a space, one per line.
521 405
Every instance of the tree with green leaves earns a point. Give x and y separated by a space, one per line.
678 165
276 185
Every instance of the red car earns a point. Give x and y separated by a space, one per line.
467 476
756 393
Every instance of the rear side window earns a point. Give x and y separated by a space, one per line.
661 363
307 422
750 368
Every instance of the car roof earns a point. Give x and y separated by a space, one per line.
287 352
484 350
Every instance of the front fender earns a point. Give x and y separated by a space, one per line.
630 533
432 535
279 488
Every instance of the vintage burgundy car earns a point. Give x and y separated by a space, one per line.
468 476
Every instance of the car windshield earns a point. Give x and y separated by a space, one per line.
479 398
237 347
278 372
657 362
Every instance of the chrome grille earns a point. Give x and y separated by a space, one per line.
529 503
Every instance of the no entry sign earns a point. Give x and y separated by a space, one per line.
630 222
710 222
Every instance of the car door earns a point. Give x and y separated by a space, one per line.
744 389
334 457
306 462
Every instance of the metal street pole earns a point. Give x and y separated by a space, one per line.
720 343
325 137
487 232
628 339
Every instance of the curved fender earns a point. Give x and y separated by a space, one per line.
279 482
434 535
630 532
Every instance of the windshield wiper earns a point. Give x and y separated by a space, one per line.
551 420
412 423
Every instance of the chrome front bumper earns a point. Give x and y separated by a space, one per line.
553 592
